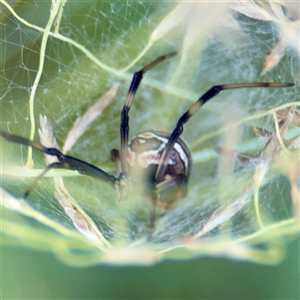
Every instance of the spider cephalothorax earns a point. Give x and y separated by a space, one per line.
160 162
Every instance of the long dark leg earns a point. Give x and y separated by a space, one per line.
124 127
165 190
194 108
151 225
65 161
115 157
55 165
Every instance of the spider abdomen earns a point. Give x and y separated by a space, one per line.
144 154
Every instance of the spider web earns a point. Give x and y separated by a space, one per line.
101 44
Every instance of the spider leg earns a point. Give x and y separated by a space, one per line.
151 225
194 108
65 161
55 165
124 126
115 157
180 181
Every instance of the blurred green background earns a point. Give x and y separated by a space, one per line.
27 274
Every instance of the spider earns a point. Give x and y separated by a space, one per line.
158 160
